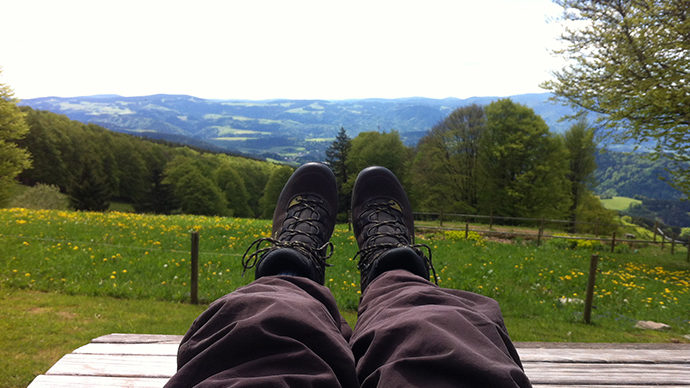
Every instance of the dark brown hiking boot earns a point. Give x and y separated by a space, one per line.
384 227
303 222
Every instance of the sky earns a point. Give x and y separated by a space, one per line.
267 49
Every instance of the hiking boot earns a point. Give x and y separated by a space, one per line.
384 227
303 222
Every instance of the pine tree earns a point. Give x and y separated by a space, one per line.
158 198
90 191
336 156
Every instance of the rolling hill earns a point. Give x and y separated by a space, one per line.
289 130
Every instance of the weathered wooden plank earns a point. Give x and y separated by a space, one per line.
147 349
145 360
114 365
646 356
47 381
622 374
602 386
138 338
600 345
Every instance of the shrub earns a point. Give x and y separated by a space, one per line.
41 196
456 235
588 244
562 243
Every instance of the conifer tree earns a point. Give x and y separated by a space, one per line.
336 157
90 190
159 197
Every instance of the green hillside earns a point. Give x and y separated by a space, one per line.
619 203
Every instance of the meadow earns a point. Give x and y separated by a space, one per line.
619 203
141 264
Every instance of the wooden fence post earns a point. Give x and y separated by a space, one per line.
467 231
613 242
541 232
194 281
593 262
673 244
491 220
662 242
440 218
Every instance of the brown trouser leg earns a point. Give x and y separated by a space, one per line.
286 331
279 331
411 333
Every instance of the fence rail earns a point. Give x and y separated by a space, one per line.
441 216
540 234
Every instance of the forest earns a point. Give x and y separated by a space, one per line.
94 166
498 159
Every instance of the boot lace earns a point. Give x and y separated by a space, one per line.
302 220
378 239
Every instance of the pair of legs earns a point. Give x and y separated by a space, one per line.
284 329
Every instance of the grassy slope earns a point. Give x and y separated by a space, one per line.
84 259
619 203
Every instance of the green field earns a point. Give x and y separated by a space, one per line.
619 203
136 265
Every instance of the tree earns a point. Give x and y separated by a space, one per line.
255 175
523 168
194 192
336 157
234 189
199 195
158 198
90 190
13 159
132 171
274 186
445 166
378 149
630 62
44 141
579 141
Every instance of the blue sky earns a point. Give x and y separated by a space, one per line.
278 49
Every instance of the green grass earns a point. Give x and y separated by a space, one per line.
121 207
143 258
619 203
37 328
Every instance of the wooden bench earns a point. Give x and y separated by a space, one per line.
136 360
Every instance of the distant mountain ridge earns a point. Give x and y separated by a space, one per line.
290 130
